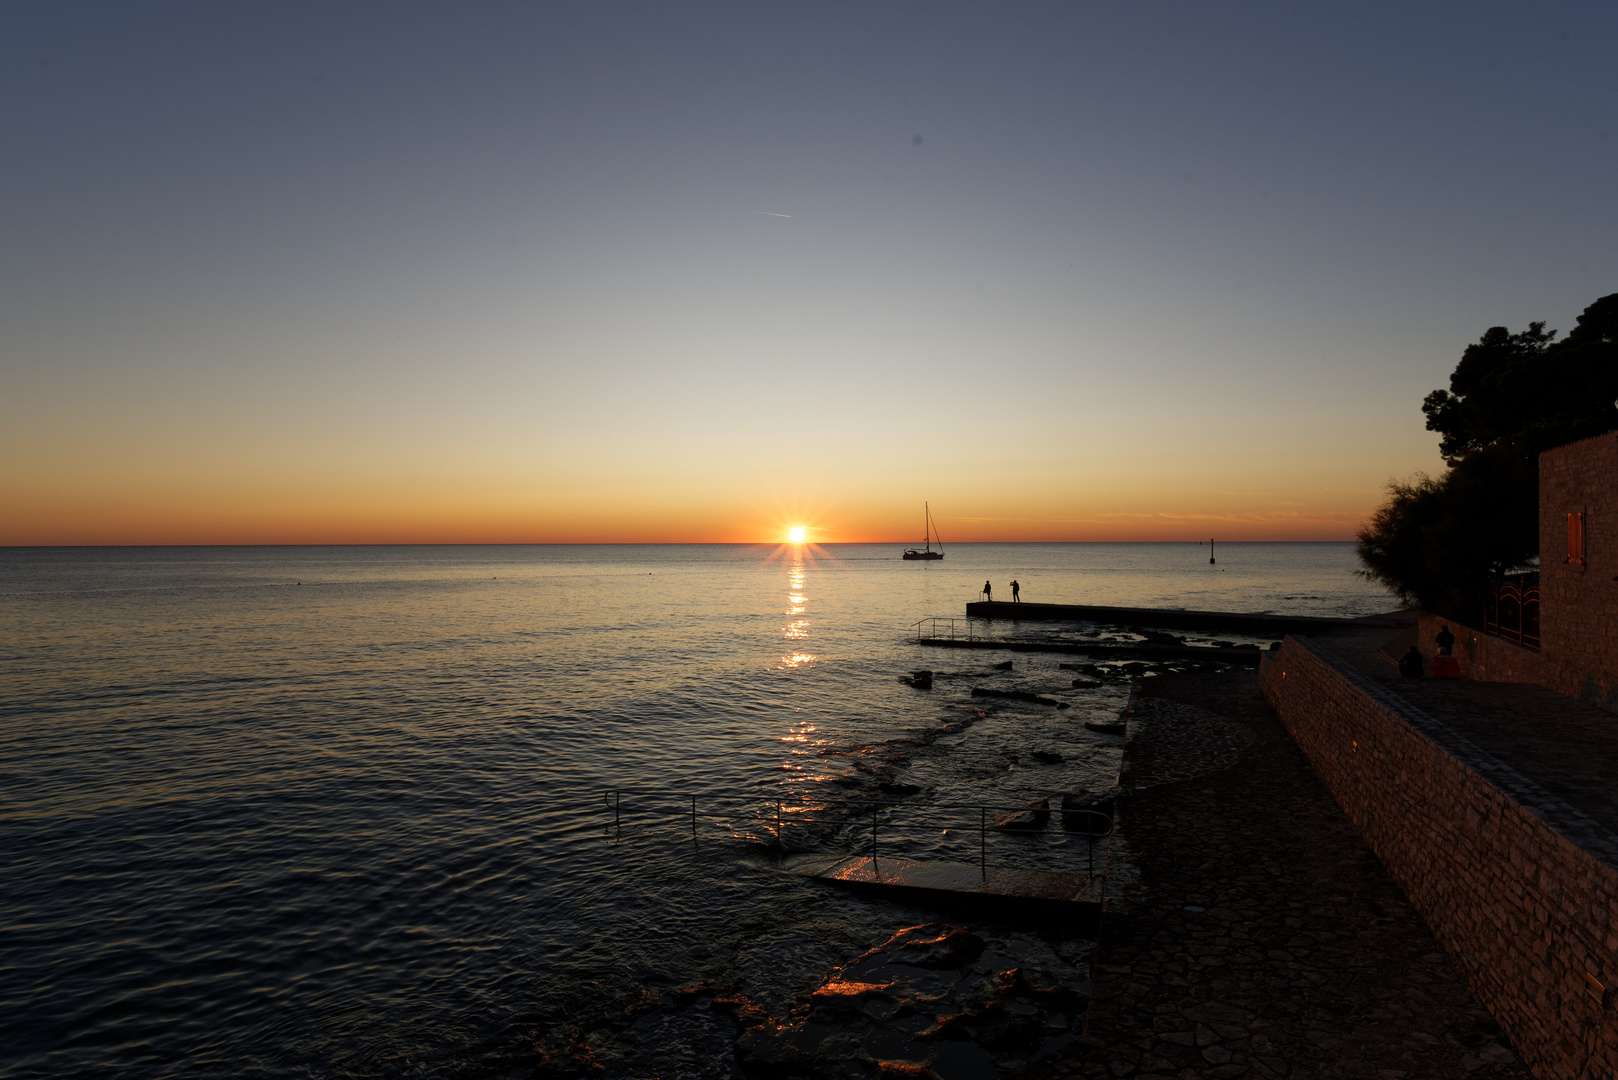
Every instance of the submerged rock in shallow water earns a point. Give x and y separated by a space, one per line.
1018 695
1073 820
1030 818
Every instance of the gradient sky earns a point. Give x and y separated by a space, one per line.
291 273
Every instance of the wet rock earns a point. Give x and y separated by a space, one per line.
846 995
955 1026
1003 667
930 945
1104 729
1047 756
1085 684
772 1051
934 1000
890 788
1084 669
1030 818
567 1055
921 680
1157 637
904 1070
1017 695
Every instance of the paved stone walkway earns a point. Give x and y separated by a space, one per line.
1567 747
1264 939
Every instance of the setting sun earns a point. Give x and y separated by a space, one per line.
796 533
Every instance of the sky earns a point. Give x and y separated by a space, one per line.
611 272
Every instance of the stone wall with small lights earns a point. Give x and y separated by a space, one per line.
1522 896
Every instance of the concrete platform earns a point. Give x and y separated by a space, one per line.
1073 899
1162 654
1233 622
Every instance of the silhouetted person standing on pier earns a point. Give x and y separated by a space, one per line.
1015 589
988 591
1445 641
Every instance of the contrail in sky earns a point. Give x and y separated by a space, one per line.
766 213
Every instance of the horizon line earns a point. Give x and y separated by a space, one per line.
630 543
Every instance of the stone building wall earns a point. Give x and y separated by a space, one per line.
1579 601
1518 887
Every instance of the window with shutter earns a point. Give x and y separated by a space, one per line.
1575 538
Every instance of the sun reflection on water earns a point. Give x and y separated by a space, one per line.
797 630
803 732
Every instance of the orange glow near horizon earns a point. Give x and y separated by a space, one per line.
136 499
139 519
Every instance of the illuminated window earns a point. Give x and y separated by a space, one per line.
1575 538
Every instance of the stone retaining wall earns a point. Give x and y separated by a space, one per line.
1518 887
1482 656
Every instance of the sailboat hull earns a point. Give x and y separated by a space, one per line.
926 552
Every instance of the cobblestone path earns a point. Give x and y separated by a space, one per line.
1263 937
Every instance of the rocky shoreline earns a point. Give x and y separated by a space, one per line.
1249 932
934 1000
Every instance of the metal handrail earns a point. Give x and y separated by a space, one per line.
614 800
932 622
1512 609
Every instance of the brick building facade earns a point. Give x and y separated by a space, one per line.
1578 569
1578 584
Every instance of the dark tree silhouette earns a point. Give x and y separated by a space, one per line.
1437 542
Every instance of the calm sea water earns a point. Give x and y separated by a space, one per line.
343 812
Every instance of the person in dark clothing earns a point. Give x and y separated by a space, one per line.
1410 664
988 591
1015 589
1445 641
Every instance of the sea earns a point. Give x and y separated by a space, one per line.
413 811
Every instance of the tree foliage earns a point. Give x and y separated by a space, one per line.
1437 542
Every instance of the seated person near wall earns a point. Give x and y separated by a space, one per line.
1446 667
1411 665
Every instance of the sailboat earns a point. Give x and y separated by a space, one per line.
929 530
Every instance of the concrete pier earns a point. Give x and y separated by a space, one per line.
1164 654
1075 899
1258 625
